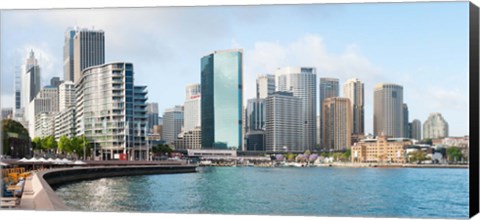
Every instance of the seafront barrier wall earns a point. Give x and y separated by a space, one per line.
39 195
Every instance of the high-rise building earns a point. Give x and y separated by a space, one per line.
416 130
388 110
255 117
192 107
172 124
329 87
152 115
55 81
406 128
88 50
302 82
191 139
50 92
31 83
68 46
435 126
17 90
66 95
265 85
353 89
105 112
35 107
283 128
222 95
65 123
337 123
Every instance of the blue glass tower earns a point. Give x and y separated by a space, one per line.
221 86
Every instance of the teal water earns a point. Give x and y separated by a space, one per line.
371 192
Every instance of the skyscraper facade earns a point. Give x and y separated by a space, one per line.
265 85
353 89
302 82
283 128
31 83
152 114
329 87
416 130
106 105
192 107
406 128
88 50
435 126
221 99
66 95
55 81
172 124
337 123
68 74
388 110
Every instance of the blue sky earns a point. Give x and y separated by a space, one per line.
422 46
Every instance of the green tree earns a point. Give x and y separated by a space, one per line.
454 154
49 143
347 154
427 141
38 143
291 157
417 156
12 127
79 145
161 149
64 145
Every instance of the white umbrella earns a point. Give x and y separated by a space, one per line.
23 160
3 164
78 162
33 160
42 160
57 161
66 161
50 160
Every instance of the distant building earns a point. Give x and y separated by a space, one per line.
416 130
37 106
172 123
191 139
388 110
65 123
66 95
329 87
50 92
256 140
302 83
435 126
7 113
31 84
68 46
45 124
353 89
283 123
337 123
152 115
382 149
192 107
265 85
406 127
88 50
221 99
55 81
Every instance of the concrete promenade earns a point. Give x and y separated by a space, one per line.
39 195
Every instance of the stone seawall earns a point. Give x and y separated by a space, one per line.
39 195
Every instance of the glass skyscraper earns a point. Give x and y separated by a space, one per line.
221 86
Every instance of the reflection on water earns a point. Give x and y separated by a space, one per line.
281 191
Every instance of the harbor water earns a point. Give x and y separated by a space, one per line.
319 191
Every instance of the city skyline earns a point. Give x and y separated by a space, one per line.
325 46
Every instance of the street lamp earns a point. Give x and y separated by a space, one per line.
31 151
11 151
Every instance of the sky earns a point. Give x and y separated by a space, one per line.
421 46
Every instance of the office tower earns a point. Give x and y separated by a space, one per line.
435 126
65 123
31 83
406 128
7 113
50 92
68 46
55 81
88 50
388 110
45 124
416 130
191 139
302 82
265 85
283 128
329 87
35 107
66 95
222 95
172 123
255 117
192 107
337 123
353 89
152 115
17 90
105 112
